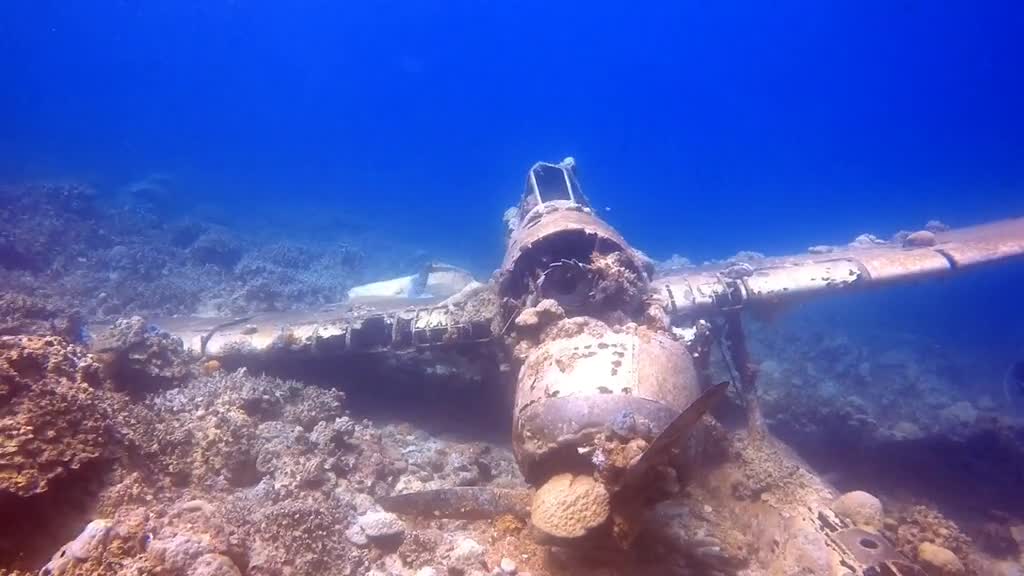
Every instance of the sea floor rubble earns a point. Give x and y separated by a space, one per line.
237 473
228 473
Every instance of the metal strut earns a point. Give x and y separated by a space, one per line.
736 345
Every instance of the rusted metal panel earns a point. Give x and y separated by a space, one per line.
596 361
256 332
770 284
691 292
400 324
328 332
571 387
957 248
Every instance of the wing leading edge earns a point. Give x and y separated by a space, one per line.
780 279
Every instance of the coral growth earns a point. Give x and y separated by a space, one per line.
919 525
52 419
855 410
138 358
63 250
860 508
190 538
568 506
618 284
235 474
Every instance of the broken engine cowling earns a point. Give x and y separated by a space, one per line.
595 386
587 378
559 249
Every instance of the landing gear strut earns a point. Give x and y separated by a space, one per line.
735 343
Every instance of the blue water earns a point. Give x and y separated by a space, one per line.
705 127
702 128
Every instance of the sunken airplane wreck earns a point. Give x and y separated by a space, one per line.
611 364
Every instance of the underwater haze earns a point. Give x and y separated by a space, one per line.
704 127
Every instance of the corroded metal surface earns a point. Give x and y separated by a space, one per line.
560 221
338 330
637 362
867 548
776 279
859 551
571 387
769 283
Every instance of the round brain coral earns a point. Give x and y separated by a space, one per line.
569 506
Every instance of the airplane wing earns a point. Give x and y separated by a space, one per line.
767 281
399 323
469 312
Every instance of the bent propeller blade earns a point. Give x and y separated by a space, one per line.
462 503
676 430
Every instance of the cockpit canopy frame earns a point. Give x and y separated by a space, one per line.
552 184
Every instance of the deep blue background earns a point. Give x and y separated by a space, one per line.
705 127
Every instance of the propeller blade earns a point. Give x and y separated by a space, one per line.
462 503
676 431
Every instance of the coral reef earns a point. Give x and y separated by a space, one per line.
190 538
52 419
139 358
239 474
938 560
43 225
57 438
277 276
855 409
64 251
27 314
216 247
916 526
